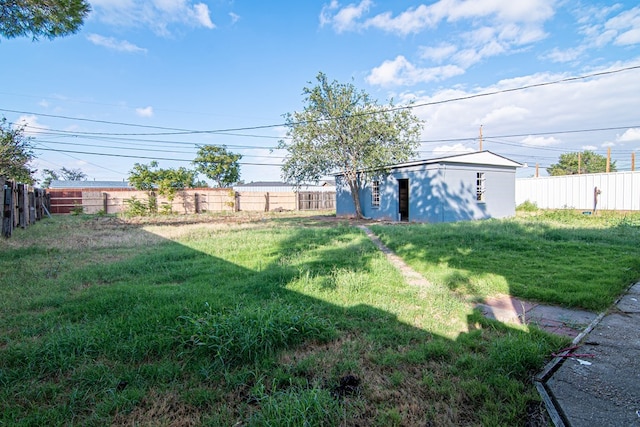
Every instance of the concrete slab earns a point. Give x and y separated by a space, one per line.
598 383
557 320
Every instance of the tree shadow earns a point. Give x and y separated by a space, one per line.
112 338
567 266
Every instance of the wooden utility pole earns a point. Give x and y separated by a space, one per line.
480 138
579 162
608 159
537 167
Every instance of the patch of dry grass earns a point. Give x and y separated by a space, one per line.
160 409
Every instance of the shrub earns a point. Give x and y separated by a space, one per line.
527 206
77 209
135 207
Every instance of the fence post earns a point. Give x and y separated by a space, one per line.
7 209
1 201
266 201
22 220
32 207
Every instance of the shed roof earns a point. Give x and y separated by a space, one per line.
486 158
264 184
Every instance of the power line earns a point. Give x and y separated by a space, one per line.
88 162
531 86
84 133
145 157
410 106
146 149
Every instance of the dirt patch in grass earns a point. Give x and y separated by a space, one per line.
377 392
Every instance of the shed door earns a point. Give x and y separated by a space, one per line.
403 199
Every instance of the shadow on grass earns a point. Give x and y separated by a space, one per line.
279 325
575 264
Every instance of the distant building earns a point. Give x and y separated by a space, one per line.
455 188
283 187
57 183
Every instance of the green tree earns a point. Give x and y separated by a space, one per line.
41 18
37 18
73 174
15 153
167 182
218 164
64 173
589 162
49 175
343 129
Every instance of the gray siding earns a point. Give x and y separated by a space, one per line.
437 193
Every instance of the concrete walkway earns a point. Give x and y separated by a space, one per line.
595 382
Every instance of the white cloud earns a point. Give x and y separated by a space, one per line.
629 37
114 44
589 147
438 53
608 144
540 141
491 28
525 16
145 112
566 55
444 150
31 125
401 72
200 12
345 18
44 103
622 29
413 20
158 15
627 27
234 17
629 135
508 113
596 103
467 57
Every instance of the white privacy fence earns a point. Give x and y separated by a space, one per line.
617 191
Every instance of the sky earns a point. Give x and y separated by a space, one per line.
154 80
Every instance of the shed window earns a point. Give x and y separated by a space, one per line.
375 194
480 186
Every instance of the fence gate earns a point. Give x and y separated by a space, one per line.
316 200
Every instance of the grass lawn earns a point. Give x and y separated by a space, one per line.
285 320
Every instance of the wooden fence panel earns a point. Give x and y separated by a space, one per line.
63 201
316 200
21 205
198 200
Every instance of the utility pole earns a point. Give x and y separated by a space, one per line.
480 138
537 166
608 159
579 162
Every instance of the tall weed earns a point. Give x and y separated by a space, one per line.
246 334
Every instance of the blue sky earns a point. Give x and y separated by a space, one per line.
141 77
